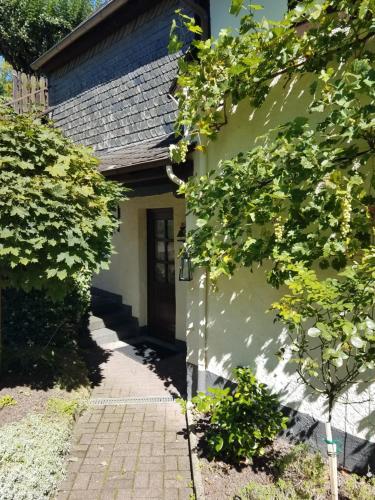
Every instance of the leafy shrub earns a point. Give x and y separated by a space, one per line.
241 421
56 209
7 400
41 336
32 456
360 488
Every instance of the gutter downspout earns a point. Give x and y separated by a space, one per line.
202 282
201 275
172 176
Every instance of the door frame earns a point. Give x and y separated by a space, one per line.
150 219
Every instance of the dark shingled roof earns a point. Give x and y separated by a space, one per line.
116 95
149 153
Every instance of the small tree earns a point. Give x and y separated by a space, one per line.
331 327
30 27
56 209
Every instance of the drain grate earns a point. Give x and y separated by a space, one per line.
144 400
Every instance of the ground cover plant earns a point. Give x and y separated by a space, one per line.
7 400
241 421
33 451
301 474
284 472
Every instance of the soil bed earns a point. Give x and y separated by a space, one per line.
223 481
28 400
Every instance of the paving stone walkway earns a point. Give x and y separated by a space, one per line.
132 450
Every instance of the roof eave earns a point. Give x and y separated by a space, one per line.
87 25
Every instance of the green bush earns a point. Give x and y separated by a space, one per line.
32 457
241 421
42 335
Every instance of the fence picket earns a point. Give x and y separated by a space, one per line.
30 92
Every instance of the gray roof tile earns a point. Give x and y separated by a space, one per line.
155 151
116 94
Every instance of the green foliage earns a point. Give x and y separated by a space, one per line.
300 475
56 210
307 471
304 194
42 337
306 191
7 400
331 325
5 79
70 409
257 491
359 488
241 421
30 27
242 65
32 456
183 405
303 475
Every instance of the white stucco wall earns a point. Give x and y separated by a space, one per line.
127 275
239 330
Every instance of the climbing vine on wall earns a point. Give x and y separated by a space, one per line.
304 194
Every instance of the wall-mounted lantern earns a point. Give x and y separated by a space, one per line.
186 273
181 235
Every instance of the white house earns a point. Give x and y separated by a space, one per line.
111 85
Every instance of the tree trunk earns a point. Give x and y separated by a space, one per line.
332 458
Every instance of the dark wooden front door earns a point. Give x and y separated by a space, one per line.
161 274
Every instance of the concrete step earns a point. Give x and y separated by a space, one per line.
105 336
116 320
103 305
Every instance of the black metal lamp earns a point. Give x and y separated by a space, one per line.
185 273
181 235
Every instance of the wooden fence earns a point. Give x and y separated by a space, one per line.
29 93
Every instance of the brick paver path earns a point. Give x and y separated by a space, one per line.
134 450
